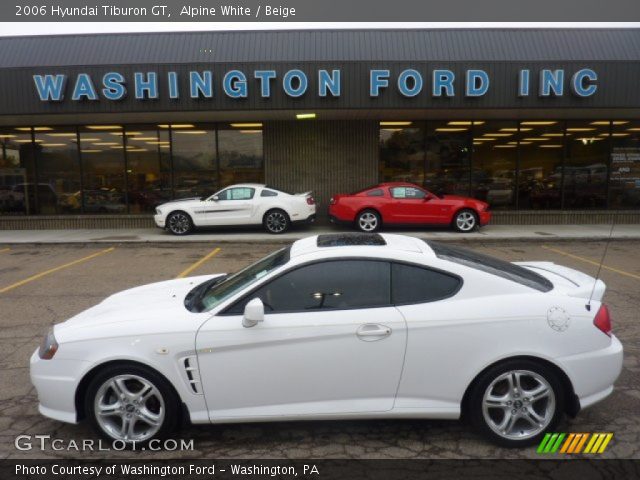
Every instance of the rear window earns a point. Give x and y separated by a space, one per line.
491 265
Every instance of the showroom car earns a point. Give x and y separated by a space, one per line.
429 330
399 203
241 204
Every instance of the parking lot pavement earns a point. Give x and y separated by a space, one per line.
53 282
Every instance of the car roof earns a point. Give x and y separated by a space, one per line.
356 244
251 185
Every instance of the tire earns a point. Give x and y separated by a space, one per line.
179 223
491 406
465 221
368 221
155 416
276 221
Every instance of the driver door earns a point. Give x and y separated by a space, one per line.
330 344
231 206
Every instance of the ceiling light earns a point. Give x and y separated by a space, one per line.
498 134
580 129
444 129
101 144
536 139
554 145
193 132
465 122
515 129
8 136
92 150
35 129
553 134
606 122
61 134
104 127
53 144
305 116
146 138
250 131
177 125
538 122
246 125
395 124
504 146
90 139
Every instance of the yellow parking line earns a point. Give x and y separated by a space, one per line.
209 255
592 262
4 250
52 270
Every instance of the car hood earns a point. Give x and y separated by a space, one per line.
159 306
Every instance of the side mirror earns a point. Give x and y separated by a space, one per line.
215 198
253 313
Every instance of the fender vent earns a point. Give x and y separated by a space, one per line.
192 374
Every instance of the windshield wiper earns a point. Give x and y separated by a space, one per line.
193 300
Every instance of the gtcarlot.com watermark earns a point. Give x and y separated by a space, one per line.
46 442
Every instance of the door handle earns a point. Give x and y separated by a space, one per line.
373 331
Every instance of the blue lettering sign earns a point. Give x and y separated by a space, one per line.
551 81
172 77
378 79
84 88
50 87
113 86
579 85
477 83
287 83
265 77
146 87
443 81
416 81
201 85
523 83
234 84
329 82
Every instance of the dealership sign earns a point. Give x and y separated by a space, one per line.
114 86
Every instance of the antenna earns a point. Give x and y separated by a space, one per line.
604 254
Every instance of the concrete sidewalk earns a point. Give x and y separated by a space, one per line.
490 233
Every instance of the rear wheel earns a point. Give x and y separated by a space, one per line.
132 404
368 221
276 221
514 403
179 223
465 221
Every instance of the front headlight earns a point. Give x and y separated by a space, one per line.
158 211
48 347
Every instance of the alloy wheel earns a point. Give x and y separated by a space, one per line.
368 221
276 222
465 221
179 223
129 408
518 404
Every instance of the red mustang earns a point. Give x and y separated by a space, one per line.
402 203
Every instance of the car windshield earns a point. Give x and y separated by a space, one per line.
212 293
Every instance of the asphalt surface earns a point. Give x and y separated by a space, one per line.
43 285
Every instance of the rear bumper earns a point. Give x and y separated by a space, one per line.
305 221
594 373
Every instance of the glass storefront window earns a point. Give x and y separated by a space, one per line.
495 154
448 157
402 153
148 167
585 171
58 168
624 184
541 147
195 171
102 153
17 172
240 150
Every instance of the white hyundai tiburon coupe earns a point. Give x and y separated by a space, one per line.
241 204
339 326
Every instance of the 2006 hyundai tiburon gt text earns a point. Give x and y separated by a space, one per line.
339 326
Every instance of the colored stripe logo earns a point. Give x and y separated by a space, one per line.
573 443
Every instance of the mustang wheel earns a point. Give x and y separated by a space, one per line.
179 223
276 221
131 404
465 220
368 221
514 403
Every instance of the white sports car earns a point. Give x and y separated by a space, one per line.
242 204
339 326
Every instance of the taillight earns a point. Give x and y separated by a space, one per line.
332 201
311 201
603 320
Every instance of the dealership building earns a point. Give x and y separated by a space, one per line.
543 124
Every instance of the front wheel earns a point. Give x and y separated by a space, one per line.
131 404
276 221
465 221
514 403
179 223
368 221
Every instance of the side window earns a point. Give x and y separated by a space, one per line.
375 193
239 193
268 193
407 192
331 285
413 284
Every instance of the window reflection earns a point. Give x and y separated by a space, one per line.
625 165
541 144
102 153
17 173
240 150
58 171
402 153
585 171
148 167
448 157
495 153
194 161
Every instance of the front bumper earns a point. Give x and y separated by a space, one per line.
594 373
485 218
160 220
56 381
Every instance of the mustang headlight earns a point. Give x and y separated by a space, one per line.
48 347
158 211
